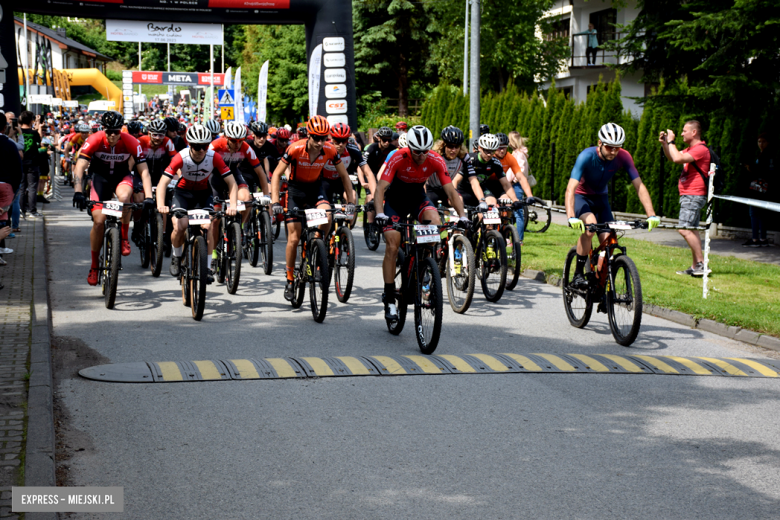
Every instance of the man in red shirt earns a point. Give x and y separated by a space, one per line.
693 189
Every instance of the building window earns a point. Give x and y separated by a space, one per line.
557 29
604 22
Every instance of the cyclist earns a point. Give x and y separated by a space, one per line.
517 180
483 183
197 164
73 142
214 127
401 127
135 128
235 151
452 150
172 133
265 151
306 159
377 152
587 201
351 158
483 129
281 141
109 155
400 192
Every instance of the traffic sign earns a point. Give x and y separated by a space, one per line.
226 113
226 97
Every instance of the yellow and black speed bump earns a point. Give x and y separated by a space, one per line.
306 367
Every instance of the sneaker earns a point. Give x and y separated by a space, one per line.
126 248
579 282
5 251
41 198
175 269
764 243
36 214
288 291
210 277
92 279
688 272
12 235
752 243
698 270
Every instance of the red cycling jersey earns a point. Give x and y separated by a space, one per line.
195 176
106 159
301 169
402 168
233 159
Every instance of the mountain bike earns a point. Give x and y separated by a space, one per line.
227 267
456 263
110 262
512 239
489 251
372 234
613 282
279 217
418 283
341 254
161 235
311 263
194 271
537 218
259 245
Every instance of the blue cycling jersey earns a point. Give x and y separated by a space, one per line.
594 173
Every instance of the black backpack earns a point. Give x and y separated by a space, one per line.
720 173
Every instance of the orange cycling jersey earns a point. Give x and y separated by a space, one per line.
508 162
301 169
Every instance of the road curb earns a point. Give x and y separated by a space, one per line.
39 466
729 331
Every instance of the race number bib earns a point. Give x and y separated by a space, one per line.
262 199
316 217
240 206
426 234
198 217
491 217
354 179
112 208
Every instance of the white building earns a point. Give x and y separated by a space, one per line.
65 52
569 17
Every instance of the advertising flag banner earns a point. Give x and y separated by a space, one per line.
239 97
150 31
262 92
315 64
229 78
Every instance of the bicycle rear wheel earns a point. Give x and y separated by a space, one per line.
344 264
253 237
266 243
233 257
199 278
220 266
158 245
578 303
460 276
513 255
493 272
537 220
145 243
111 258
184 276
624 301
299 282
428 306
318 280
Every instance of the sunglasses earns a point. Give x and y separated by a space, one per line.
612 149
341 141
386 140
282 140
232 140
317 138
156 136
452 146
419 154
260 136
113 132
488 152
199 147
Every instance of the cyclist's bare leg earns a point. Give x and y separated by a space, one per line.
244 195
585 242
392 242
98 227
179 231
212 235
293 237
325 228
431 215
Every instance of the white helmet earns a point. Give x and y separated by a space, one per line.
213 126
419 139
198 134
402 141
235 130
612 135
488 142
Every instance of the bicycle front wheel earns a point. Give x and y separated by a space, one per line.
493 272
199 277
266 243
428 306
111 257
577 302
624 301
220 266
318 280
253 236
233 257
184 276
401 298
460 274
513 255
370 233
158 245
145 243
344 264
537 220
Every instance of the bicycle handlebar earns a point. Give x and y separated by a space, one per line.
616 225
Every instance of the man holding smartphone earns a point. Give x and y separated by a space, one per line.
30 164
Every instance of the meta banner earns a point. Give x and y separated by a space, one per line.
154 31
175 78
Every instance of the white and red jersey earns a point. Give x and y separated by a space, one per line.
195 176
234 159
157 158
107 160
402 169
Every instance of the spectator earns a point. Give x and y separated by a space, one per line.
760 185
10 178
592 43
30 164
520 153
693 190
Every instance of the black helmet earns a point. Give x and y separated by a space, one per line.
385 133
135 127
182 128
503 139
452 135
172 123
112 120
484 129
258 128
302 132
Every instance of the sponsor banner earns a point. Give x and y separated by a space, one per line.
70 103
315 66
336 91
250 4
333 44
262 92
204 78
42 99
334 120
335 75
154 31
144 78
180 78
336 106
334 59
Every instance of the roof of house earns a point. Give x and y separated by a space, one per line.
63 41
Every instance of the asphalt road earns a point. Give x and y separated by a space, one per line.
457 446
